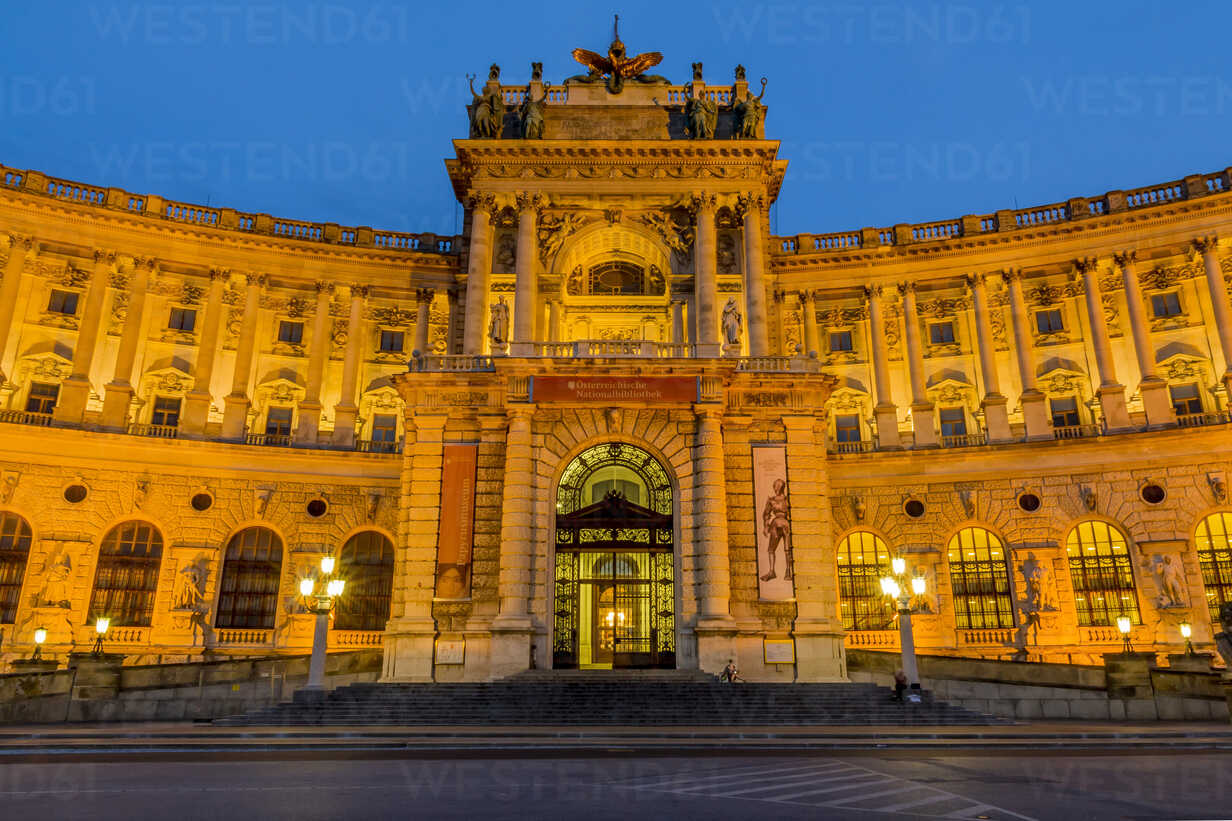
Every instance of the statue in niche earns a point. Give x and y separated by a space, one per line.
1167 571
487 111
190 596
531 113
1036 578
498 324
506 251
573 286
731 322
1223 639
658 285
727 254
749 113
55 592
701 114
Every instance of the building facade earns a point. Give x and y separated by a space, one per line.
616 422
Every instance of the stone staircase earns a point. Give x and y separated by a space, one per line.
652 698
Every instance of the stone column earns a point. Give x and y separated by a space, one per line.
511 629
678 329
478 273
808 305
75 391
1110 392
755 276
237 403
554 320
885 411
318 354
706 277
411 632
715 627
526 276
21 248
1034 412
1208 248
347 410
817 631
423 315
197 404
1156 401
923 420
996 415
118 393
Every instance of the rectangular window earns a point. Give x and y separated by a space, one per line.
840 341
1185 399
953 422
1166 305
391 341
278 421
42 398
941 333
63 302
384 428
1064 412
847 428
290 332
182 319
1049 321
166 412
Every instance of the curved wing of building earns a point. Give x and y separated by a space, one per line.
616 422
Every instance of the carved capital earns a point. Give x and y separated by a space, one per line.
905 288
1011 275
423 295
749 203
526 201
104 256
482 202
1124 259
1085 265
216 274
700 205
21 242
1206 244
324 289
255 280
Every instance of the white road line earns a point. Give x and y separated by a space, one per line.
839 788
699 774
683 778
762 783
895 791
919 802
767 787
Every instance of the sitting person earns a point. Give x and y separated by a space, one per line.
730 674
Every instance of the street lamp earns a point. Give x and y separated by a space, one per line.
40 636
1124 625
898 588
101 624
1187 634
320 604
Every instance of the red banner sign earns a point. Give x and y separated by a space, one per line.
457 532
613 389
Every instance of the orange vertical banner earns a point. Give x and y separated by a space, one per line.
457 532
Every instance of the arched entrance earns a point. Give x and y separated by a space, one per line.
615 599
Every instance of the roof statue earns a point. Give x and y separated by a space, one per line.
616 67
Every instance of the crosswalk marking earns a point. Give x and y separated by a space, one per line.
836 784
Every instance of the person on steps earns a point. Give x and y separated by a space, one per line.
900 685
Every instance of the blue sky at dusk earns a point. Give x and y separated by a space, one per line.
888 112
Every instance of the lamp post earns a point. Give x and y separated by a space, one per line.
101 624
1187 634
320 604
898 588
1124 625
40 636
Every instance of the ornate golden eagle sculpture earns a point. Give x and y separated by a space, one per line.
616 67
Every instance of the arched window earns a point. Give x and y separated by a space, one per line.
980 578
127 575
863 559
251 572
1103 579
14 552
367 564
1215 559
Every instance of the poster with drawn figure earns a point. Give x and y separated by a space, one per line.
772 509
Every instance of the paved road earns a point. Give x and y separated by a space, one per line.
1010 787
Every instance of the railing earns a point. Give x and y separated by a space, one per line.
356 638
1199 420
1155 195
778 364
935 230
68 190
250 637
273 440
1041 215
872 638
16 417
1100 635
297 230
157 431
1075 431
451 364
126 635
862 446
378 446
964 440
191 213
996 637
